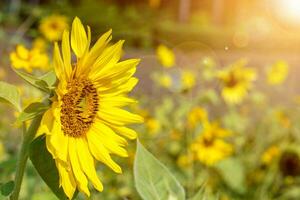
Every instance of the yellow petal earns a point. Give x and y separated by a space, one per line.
87 163
59 142
121 89
97 49
108 58
46 123
112 145
79 40
67 180
58 63
118 101
101 153
66 52
127 132
118 116
80 178
116 70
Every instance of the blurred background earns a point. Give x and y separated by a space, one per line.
218 88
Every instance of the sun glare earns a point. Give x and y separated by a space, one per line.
288 11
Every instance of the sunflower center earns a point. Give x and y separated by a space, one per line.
232 81
79 107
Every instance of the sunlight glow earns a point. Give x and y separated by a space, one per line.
288 11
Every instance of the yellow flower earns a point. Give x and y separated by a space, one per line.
270 154
184 161
210 147
86 121
237 81
166 56
52 26
277 73
165 80
195 116
29 59
188 80
153 125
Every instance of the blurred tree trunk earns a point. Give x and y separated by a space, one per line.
184 10
218 11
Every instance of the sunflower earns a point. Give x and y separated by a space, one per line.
29 59
237 81
52 26
165 56
210 146
277 73
86 121
270 154
188 80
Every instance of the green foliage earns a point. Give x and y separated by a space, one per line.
45 165
233 174
10 94
153 180
7 188
32 111
43 83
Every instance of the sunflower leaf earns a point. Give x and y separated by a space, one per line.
32 111
233 173
45 166
44 83
10 94
7 188
153 180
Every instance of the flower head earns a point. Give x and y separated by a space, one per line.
188 80
236 80
86 121
277 73
195 116
29 59
270 154
166 56
210 146
52 26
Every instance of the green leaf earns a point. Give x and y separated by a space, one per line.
32 111
153 180
199 195
45 165
7 188
43 83
10 94
233 174
49 78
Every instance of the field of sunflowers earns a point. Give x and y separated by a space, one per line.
150 99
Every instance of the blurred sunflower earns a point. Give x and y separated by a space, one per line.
153 125
195 116
86 116
270 154
29 59
237 80
188 80
165 56
52 26
210 147
165 80
277 73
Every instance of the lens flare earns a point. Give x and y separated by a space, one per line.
288 11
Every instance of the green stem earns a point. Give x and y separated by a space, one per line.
28 136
